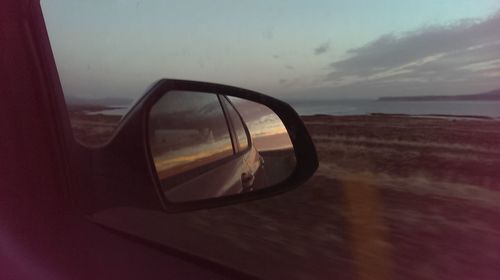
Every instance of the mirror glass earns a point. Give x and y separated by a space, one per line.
206 145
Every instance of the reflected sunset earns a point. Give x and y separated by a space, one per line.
266 128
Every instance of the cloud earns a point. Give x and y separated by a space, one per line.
323 48
460 58
268 34
289 67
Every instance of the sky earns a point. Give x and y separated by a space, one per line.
289 49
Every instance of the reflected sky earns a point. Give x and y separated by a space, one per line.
267 130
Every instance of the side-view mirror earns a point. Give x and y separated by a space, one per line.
189 145
205 146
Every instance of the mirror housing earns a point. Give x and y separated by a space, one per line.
125 176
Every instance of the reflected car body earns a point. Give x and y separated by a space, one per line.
226 179
240 172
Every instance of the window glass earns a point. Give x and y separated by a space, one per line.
401 99
187 130
239 129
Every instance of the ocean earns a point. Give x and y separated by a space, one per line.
364 107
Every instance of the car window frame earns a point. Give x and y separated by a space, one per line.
247 132
232 131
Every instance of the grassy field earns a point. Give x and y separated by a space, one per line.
92 129
394 198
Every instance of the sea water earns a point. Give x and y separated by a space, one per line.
364 107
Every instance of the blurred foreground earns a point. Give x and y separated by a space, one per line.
394 198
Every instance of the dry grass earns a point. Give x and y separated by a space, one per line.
393 198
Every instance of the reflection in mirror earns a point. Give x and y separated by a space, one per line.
270 138
205 145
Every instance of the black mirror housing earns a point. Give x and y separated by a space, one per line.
126 172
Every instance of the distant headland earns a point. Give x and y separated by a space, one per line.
493 95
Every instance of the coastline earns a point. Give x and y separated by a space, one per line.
437 116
